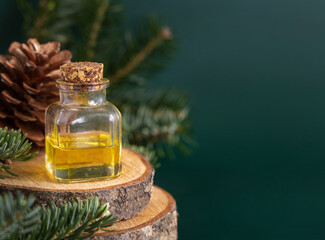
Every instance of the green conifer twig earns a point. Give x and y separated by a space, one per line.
13 146
164 34
40 20
73 220
90 51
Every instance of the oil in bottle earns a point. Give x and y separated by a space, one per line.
76 157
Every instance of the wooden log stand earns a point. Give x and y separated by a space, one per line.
151 211
128 194
157 221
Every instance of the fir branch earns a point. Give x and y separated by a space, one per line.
164 34
13 146
72 220
50 20
40 20
45 8
96 29
90 48
158 122
161 129
27 11
17 217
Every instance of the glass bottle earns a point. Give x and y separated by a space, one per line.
83 130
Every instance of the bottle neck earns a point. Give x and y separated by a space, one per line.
82 98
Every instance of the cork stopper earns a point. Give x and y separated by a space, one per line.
82 72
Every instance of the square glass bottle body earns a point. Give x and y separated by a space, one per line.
83 137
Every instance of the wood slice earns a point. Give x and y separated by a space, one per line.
127 194
157 221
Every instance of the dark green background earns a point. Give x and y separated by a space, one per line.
255 71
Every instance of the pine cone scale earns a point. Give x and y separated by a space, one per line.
34 44
13 46
40 116
3 116
20 56
56 74
29 53
7 81
15 64
38 105
19 73
51 48
59 58
10 99
30 90
23 116
6 69
35 133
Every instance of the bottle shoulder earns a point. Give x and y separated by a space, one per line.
52 108
112 107
65 113
107 106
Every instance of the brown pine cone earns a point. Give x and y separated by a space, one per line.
28 85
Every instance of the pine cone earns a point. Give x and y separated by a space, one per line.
28 85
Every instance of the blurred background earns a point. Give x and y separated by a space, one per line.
255 74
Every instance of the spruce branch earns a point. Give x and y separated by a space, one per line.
164 34
158 123
17 216
90 48
73 220
95 28
13 146
159 130
28 14
50 20
38 27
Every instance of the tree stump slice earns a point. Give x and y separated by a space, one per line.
128 194
157 222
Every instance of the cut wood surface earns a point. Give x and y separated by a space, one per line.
127 194
157 221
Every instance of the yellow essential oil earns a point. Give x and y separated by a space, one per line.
82 156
